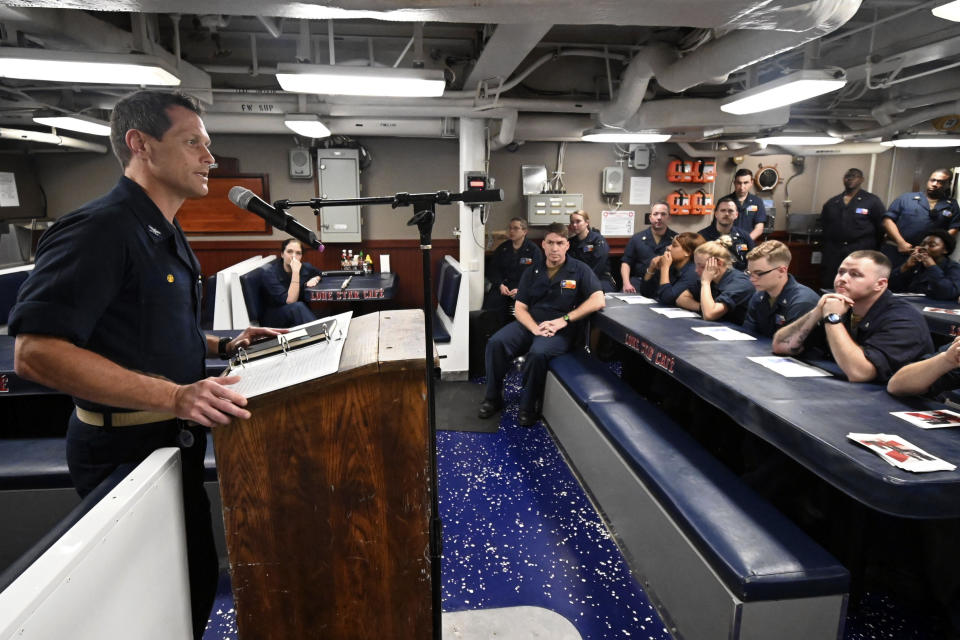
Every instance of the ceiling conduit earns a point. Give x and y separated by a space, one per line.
895 126
884 112
771 33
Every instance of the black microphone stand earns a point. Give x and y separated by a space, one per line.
425 214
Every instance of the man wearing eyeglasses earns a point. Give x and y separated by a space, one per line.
779 299
868 332
912 216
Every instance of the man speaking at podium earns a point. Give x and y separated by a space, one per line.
111 315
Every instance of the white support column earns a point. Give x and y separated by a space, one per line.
472 233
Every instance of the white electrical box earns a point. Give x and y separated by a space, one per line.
338 173
547 208
639 156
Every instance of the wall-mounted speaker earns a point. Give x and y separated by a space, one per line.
612 181
300 165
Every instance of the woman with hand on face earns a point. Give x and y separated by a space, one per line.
282 287
722 292
674 272
929 269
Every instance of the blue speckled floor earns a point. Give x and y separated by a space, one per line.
519 530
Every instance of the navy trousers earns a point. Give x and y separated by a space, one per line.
516 340
289 315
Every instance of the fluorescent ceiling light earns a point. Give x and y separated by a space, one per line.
81 66
613 135
949 11
83 124
360 81
799 140
791 88
306 124
918 140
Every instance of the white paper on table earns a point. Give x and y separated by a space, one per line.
931 419
674 312
634 299
901 453
295 366
384 263
952 312
789 367
640 189
723 333
617 223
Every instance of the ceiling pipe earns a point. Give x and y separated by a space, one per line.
739 49
653 59
895 126
26 135
883 113
508 127
693 152
271 25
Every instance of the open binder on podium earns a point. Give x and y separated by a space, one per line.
306 352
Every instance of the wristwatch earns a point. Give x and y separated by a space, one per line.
222 347
566 317
833 318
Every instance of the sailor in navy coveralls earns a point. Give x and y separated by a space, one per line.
779 299
506 265
553 297
644 246
851 221
111 315
914 215
590 248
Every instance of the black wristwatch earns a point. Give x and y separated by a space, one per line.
222 347
833 318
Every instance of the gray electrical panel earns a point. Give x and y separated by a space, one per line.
545 208
338 173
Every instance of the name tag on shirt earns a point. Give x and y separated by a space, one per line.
526 260
752 207
946 213
780 320
568 284
742 247
862 211
588 248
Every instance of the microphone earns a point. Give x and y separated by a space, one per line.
246 199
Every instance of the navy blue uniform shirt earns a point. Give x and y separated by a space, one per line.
550 298
275 282
764 319
116 278
742 243
642 248
892 334
506 266
680 280
733 290
857 224
751 211
940 282
593 251
911 212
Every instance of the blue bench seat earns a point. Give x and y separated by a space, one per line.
720 561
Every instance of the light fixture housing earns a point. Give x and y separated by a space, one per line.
616 135
306 124
83 124
799 140
85 66
919 140
361 81
949 11
789 89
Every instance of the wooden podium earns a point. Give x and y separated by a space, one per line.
326 495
